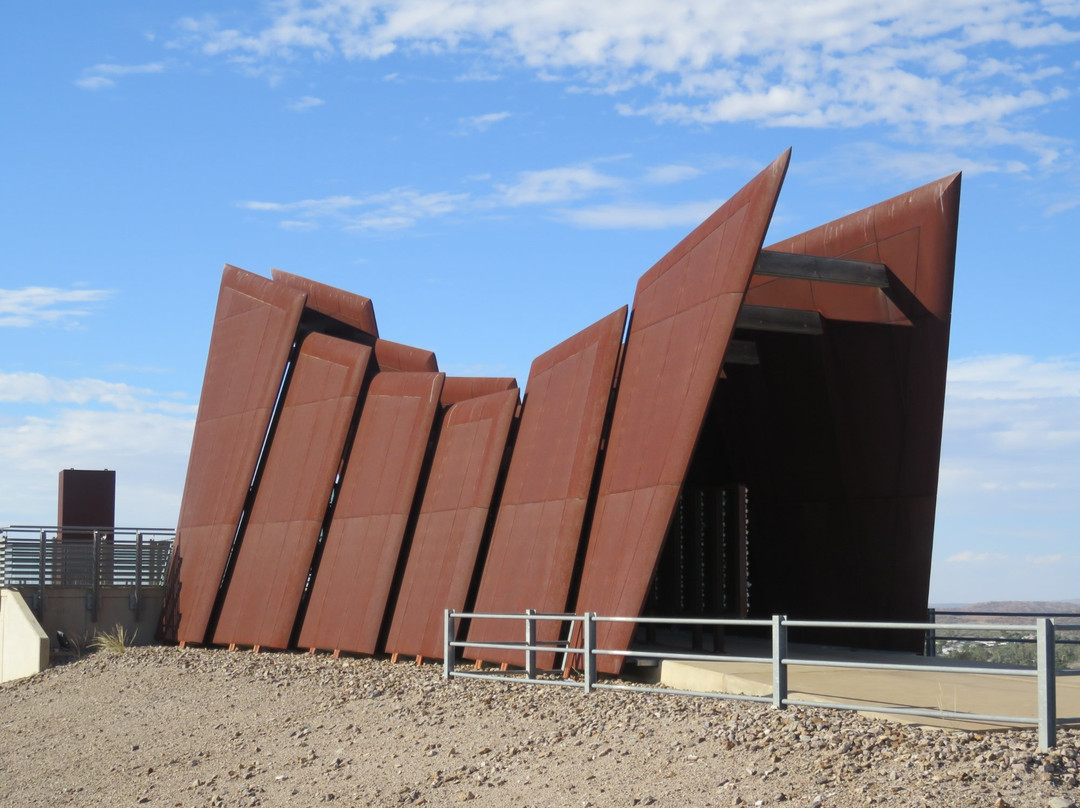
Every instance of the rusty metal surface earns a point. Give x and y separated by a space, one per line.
277 546
459 388
354 310
87 498
684 313
851 425
360 557
395 356
833 301
453 515
538 528
252 337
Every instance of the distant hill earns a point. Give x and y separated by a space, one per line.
1033 607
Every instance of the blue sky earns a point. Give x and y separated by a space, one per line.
496 176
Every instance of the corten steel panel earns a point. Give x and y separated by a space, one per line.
87 498
347 307
254 327
538 528
453 515
833 301
395 356
290 504
359 559
460 388
851 425
684 313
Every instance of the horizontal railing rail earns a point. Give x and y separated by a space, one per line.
1063 621
84 556
1044 670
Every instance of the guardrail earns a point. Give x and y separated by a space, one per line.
1044 672
932 639
34 557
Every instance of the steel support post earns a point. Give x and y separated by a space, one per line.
930 644
530 643
138 573
1045 668
448 649
779 668
589 635
42 547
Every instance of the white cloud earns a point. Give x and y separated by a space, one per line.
480 123
555 185
143 435
972 557
396 209
305 103
1054 558
103 76
640 216
147 450
1011 440
38 305
95 83
35 388
967 65
1013 377
670 174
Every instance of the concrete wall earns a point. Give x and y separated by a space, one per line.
65 608
24 646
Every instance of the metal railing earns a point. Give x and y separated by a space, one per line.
1044 671
933 640
35 557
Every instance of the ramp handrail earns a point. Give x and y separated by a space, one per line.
1044 671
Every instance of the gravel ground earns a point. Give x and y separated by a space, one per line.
196 727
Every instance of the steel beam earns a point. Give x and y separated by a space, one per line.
819 268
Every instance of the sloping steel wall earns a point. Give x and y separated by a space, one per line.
279 541
850 424
684 314
353 582
252 338
345 307
453 515
451 494
538 528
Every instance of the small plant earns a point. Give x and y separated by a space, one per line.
116 641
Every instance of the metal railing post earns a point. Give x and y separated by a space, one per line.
448 649
589 636
1046 673
779 653
42 545
138 573
530 644
95 577
930 643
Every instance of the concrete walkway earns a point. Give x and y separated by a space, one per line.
1001 695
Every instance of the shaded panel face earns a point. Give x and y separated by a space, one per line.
450 527
354 310
530 561
360 557
684 313
278 544
253 333
850 425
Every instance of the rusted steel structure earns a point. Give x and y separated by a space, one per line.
765 438
538 528
352 584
